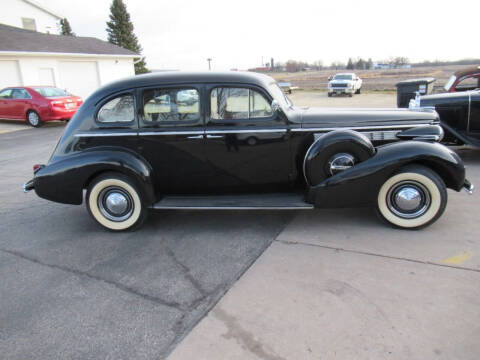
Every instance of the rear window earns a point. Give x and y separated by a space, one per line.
51 92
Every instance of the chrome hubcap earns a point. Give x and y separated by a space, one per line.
33 118
340 162
408 199
115 204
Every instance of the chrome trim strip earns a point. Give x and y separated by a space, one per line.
233 131
165 133
99 134
359 127
240 131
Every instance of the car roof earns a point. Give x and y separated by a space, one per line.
345 74
182 77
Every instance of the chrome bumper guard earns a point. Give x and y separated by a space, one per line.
468 187
29 185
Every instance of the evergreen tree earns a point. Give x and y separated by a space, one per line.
120 32
66 29
350 64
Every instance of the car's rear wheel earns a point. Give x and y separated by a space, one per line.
413 198
115 202
34 119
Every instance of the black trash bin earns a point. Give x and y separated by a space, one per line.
407 90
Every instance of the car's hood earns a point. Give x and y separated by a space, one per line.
445 98
351 117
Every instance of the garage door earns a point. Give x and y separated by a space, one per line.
9 73
79 77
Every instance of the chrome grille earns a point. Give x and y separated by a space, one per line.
381 135
339 85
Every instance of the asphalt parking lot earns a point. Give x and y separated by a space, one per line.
329 284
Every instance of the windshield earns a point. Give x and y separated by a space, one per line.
279 95
450 82
342 77
51 92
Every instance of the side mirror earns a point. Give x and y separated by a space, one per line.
275 106
330 78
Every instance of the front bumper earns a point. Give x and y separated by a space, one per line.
28 186
468 187
340 90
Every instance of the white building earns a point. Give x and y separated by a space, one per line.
30 15
77 64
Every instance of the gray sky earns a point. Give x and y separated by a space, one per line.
182 34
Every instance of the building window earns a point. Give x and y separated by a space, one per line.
29 24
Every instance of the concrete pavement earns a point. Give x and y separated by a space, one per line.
71 290
337 284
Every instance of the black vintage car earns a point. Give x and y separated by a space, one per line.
459 115
235 141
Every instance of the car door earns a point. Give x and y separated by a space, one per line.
171 137
19 103
246 141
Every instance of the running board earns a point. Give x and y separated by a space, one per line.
288 201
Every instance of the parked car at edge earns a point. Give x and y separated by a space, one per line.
243 145
37 104
459 115
344 83
464 80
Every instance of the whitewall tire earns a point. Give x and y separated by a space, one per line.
115 202
413 198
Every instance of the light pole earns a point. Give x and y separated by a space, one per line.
209 60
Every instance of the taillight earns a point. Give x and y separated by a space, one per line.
37 167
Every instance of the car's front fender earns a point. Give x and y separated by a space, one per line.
360 184
64 178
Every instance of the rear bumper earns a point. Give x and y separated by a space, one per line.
59 114
28 186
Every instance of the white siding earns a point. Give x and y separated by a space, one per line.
79 75
12 12
9 73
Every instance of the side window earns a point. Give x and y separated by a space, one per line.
468 83
238 103
20 94
165 105
6 94
120 109
259 106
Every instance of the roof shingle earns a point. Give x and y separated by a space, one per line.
16 39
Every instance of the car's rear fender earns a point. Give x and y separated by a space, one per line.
359 185
64 178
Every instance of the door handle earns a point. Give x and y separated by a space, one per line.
214 136
195 137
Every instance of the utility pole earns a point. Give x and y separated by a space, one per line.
209 60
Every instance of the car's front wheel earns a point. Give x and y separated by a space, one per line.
413 198
115 202
34 119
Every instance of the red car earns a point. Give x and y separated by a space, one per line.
37 104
